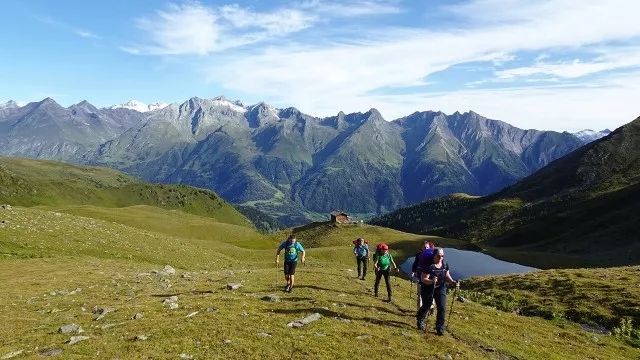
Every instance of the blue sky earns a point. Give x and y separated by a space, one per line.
546 64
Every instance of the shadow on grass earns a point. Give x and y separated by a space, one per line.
340 317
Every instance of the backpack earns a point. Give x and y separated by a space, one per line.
355 242
425 260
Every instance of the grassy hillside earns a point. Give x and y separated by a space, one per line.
584 206
57 267
29 182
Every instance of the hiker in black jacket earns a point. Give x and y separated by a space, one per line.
434 286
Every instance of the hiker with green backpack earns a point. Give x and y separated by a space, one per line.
382 262
291 248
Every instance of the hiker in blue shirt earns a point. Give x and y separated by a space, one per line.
291 248
361 251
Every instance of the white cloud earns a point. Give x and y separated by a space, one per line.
612 59
86 34
326 77
193 28
180 29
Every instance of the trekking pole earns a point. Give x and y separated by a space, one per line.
453 301
276 276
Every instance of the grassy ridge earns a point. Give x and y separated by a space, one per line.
583 206
29 182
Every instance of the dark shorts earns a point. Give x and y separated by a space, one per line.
290 267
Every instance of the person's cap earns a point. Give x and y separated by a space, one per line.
384 247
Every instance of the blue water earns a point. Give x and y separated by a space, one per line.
464 264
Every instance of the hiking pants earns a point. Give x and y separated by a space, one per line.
363 261
380 274
440 296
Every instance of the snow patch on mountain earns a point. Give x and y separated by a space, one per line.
222 101
12 104
588 135
139 106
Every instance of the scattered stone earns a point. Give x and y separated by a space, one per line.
52 352
342 306
244 314
595 339
57 214
212 310
447 356
489 349
102 312
106 326
173 306
137 316
77 339
320 334
271 298
193 314
65 329
263 334
187 275
226 341
374 321
362 337
234 286
167 270
171 299
77 290
342 295
407 334
143 337
12 354
186 356
6 207
461 298
305 321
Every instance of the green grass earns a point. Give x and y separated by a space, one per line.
44 254
601 296
29 182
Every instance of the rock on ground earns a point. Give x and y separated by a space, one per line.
167 270
65 329
12 354
137 316
365 336
186 356
271 298
305 321
143 337
77 339
52 352
234 286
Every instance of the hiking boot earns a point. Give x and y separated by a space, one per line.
290 289
286 288
440 333
376 294
390 299
420 325
362 278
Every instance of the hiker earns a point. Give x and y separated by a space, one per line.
361 251
291 248
434 286
422 260
382 262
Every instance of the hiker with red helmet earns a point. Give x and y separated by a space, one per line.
382 262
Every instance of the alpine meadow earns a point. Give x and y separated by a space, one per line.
398 179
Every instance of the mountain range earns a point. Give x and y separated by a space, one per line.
584 205
286 163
